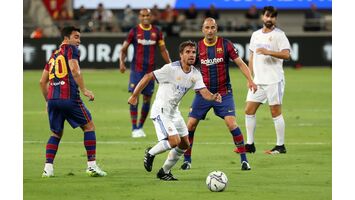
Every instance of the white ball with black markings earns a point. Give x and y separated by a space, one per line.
216 181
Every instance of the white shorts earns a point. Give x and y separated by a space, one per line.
168 126
272 93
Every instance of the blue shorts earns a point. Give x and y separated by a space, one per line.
134 78
200 107
74 111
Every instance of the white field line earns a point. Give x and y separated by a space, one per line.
147 142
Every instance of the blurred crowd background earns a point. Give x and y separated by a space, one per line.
44 18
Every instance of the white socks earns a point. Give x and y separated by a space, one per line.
160 147
250 124
92 163
280 129
48 167
173 156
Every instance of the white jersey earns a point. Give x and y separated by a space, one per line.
173 85
268 69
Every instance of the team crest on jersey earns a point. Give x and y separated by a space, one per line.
153 35
131 85
170 129
270 38
178 78
193 80
219 50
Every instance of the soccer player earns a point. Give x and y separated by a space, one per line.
269 46
174 79
214 53
60 84
145 38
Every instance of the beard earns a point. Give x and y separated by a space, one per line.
268 24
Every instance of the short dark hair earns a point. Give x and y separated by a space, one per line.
66 31
185 44
270 9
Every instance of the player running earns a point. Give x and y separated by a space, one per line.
174 79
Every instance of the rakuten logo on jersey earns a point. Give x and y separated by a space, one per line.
213 61
146 42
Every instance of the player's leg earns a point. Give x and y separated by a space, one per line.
147 96
275 95
56 123
133 109
253 102
226 110
191 127
250 124
167 136
198 111
78 115
238 140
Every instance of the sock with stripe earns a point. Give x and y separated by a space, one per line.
239 143
160 147
173 156
144 113
133 113
280 129
51 149
90 145
187 154
250 124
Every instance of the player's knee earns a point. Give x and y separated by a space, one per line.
174 141
89 127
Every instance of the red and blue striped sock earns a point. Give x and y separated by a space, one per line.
144 113
51 149
239 143
188 152
90 145
134 113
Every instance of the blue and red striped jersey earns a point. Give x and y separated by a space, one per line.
145 41
214 60
61 82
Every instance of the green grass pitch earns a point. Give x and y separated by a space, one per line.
303 173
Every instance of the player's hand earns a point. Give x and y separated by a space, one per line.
132 100
262 51
217 97
252 86
122 68
89 94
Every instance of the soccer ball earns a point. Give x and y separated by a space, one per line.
216 181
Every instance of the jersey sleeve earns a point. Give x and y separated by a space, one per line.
73 53
199 84
251 44
163 74
283 42
130 36
161 41
232 51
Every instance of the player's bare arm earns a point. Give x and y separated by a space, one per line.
284 54
123 56
206 94
44 83
133 99
165 54
75 70
245 70
251 63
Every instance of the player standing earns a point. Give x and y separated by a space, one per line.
145 38
214 53
175 79
62 95
269 46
